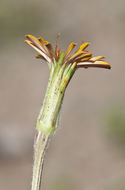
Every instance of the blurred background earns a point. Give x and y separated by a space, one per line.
88 150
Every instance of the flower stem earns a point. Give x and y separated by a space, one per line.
39 152
47 120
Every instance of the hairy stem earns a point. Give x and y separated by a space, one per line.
48 117
39 152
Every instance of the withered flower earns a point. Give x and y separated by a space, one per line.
62 67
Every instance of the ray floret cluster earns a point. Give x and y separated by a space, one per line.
81 57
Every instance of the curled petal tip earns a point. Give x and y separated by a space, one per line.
26 35
27 42
103 64
29 36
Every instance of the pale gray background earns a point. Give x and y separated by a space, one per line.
81 155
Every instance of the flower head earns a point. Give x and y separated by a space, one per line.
81 57
62 67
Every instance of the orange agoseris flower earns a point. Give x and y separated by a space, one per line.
62 67
81 57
